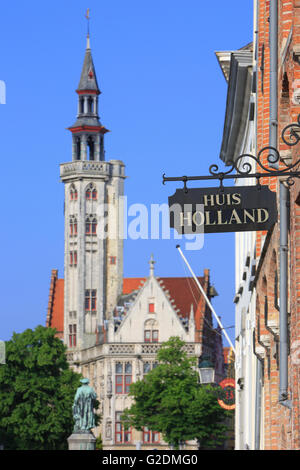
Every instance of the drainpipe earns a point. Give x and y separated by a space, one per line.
284 212
258 404
283 324
273 38
259 364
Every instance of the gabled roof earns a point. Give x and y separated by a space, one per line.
55 313
182 290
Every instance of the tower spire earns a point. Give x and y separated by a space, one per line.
88 132
151 262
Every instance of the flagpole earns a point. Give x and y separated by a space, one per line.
205 296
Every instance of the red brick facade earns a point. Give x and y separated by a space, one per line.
281 425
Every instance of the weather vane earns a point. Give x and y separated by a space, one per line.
87 15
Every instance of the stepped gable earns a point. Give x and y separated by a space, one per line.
182 292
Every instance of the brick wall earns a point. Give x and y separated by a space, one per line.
281 425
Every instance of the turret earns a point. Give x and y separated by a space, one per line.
88 132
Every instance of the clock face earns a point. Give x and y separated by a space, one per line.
227 394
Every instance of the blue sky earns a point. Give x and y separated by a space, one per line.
163 98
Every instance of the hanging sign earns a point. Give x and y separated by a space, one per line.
227 396
234 209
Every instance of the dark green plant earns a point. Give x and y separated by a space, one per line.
37 389
99 443
169 400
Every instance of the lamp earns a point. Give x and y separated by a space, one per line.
206 370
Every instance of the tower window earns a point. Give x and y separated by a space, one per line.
90 300
91 193
112 259
94 227
73 193
81 105
72 336
101 148
78 148
94 300
91 226
90 105
73 258
73 226
90 148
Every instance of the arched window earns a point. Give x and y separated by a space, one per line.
73 226
88 227
91 193
91 226
73 193
90 105
78 148
81 105
90 148
94 227
101 147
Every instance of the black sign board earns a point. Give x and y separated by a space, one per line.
235 209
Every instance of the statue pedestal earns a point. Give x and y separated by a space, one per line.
82 441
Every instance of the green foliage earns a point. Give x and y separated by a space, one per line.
37 389
99 443
169 400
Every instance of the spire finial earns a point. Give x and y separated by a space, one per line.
87 15
151 262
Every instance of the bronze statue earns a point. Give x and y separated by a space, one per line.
83 408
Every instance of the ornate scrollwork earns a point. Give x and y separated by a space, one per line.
268 159
293 133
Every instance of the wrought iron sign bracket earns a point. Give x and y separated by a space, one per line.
244 169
